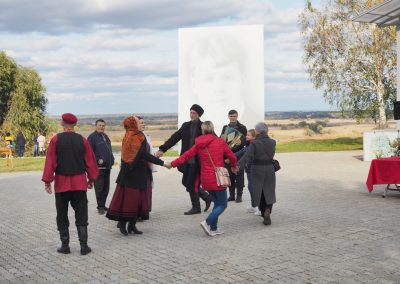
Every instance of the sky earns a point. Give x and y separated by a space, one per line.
121 56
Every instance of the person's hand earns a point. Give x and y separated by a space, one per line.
238 142
168 165
89 184
227 161
47 188
235 170
159 153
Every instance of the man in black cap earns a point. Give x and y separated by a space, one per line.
188 132
71 164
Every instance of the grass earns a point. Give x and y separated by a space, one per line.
307 145
311 145
23 164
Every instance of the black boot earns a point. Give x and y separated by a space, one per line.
196 209
267 217
206 198
122 227
132 228
83 237
64 236
239 195
231 194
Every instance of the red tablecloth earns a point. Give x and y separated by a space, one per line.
384 171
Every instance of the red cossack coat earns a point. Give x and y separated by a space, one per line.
219 151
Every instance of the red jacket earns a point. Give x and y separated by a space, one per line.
69 183
218 149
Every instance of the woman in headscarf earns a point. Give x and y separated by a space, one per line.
130 200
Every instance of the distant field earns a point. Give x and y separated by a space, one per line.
337 135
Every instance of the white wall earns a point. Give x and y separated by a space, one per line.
222 68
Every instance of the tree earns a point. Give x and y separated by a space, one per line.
353 63
8 69
27 105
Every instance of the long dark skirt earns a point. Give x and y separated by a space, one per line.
128 204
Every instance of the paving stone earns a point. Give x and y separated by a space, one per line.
326 228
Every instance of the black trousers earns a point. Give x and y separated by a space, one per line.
102 187
79 203
237 182
263 205
189 178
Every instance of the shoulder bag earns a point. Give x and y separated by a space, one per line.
221 173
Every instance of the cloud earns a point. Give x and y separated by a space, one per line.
49 16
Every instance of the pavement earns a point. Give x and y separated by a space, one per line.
326 228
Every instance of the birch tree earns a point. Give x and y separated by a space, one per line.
354 64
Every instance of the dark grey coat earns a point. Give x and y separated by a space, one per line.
261 151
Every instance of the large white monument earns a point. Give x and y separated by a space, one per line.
222 68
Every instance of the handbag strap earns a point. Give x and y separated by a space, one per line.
212 162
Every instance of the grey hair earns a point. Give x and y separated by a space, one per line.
207 127
261 127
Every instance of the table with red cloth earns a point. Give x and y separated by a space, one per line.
384 171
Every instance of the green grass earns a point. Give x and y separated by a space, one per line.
338 144
23 164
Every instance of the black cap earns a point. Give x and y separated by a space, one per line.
197 109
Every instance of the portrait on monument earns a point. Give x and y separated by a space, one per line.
222 68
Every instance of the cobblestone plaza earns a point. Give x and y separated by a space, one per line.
326 228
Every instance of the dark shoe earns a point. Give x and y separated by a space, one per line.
122 228
193 211
231 198
238 199
267 217
132 228
64 236
208 204
83 237
101 211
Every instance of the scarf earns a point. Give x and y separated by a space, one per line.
132 140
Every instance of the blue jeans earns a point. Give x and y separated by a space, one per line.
250 187
220 199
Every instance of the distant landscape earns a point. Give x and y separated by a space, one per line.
285 127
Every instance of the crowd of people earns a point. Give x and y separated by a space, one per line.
75 164
19 143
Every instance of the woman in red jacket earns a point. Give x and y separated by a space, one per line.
209 146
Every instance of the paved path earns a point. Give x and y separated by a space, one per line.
326 228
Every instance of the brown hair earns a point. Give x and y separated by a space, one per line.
252 132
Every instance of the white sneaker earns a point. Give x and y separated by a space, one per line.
252 209
216 232
258 212
206 228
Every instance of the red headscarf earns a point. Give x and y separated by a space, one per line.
132 140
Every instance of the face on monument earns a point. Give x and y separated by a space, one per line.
217 84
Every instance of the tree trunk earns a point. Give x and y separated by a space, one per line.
382 122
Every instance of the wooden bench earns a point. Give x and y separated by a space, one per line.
9 155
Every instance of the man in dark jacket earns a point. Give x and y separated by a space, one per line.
187 133
21 144
101 146
237 180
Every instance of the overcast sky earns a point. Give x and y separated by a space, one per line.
120 56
